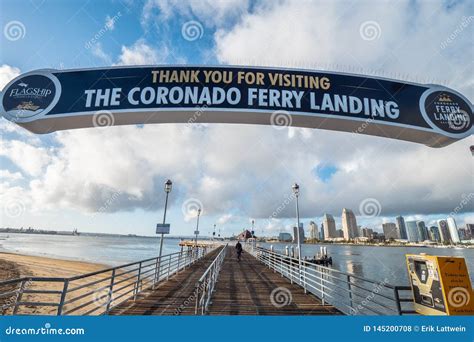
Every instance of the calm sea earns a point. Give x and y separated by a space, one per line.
377 263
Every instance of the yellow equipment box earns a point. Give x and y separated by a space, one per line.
440 285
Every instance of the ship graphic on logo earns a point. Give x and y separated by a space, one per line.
27 105
22 84
444 98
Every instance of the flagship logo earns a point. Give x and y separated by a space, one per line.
29 96
448 111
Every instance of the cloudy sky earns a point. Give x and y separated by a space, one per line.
111 180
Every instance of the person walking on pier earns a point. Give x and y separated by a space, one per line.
238 248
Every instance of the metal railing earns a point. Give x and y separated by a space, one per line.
94 293
351 294
205 285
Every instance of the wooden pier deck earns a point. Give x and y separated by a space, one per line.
171 297
247 287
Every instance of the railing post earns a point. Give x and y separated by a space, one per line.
63 298
18 297
322 285
111 292
350 290
157 272
179 258
137 284
197 299
397 300
303 269
169 268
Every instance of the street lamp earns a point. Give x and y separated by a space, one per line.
296 191
168 186
197 228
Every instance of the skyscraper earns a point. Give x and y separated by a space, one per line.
295 233
444 231
422 231
349 224
453 230
390 231
412 231
434 234
402 229
329 225
313 231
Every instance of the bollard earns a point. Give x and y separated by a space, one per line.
286 251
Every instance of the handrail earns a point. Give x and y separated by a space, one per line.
205 285
351 294
95 292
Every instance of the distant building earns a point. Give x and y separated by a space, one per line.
390 231
463 234
339 233
367 232
444 231
349 224
412 231
402 229
313 231
422 231
321 233
470 228
329 226
453 230
295 234
285 237
434 234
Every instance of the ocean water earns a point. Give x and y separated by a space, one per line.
376 263
108 250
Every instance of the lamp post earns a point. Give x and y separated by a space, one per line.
197 230
296 191
214 232
168 186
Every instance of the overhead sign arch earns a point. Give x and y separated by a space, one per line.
46 101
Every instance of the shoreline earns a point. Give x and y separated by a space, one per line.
24 265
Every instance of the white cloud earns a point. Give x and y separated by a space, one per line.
7 73
29 158
10 176
141 53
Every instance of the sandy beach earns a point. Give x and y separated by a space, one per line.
16 265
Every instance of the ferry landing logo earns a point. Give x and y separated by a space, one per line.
449 112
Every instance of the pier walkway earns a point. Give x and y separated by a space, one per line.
248 287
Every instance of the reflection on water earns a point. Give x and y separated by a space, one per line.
377 263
